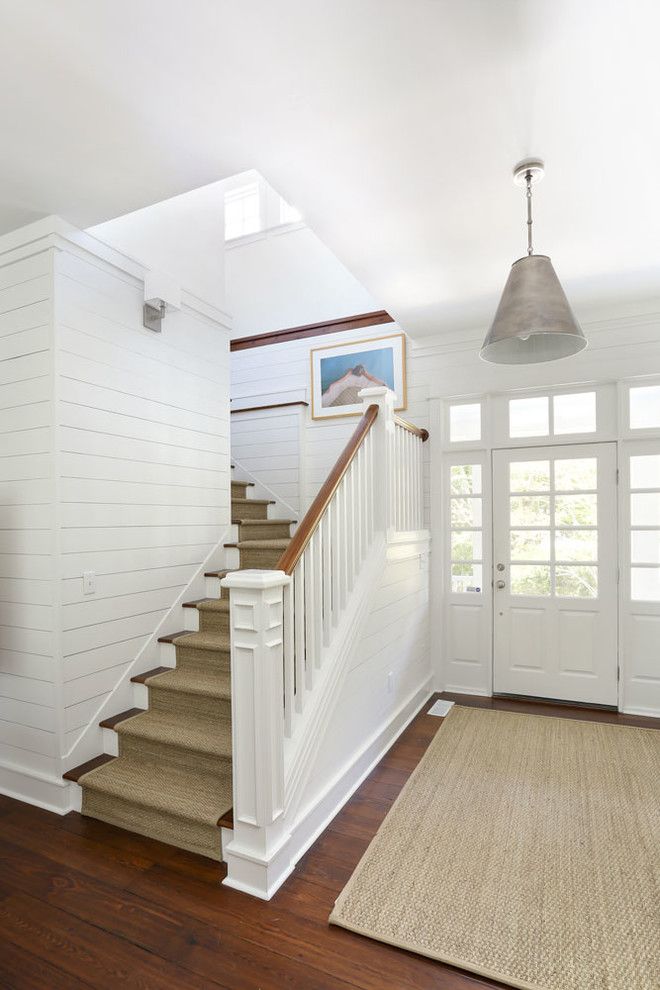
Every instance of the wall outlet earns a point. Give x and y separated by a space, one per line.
390 682
89 582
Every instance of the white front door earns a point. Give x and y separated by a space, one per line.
555 572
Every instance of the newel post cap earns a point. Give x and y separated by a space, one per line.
378 395
255 580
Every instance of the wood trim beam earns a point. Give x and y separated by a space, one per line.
303 534
374 319
411 428
273 405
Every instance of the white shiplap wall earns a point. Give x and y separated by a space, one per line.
114 458
142 423
28 672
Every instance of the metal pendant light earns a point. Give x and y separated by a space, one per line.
534 321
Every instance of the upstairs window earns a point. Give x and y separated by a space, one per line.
289 214
242 211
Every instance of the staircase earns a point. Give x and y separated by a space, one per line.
172 777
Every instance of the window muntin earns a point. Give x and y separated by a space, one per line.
645 527
466 528
553 539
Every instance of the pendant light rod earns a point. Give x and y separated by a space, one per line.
528 180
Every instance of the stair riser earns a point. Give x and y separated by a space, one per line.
216 622
165 751
239 489
188 656
177 703
273 531
248 510
260 559
201 839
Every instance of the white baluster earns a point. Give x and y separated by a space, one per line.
299 631
289 660
326 574
317 588
334 558
310 613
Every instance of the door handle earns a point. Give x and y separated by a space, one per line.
500 584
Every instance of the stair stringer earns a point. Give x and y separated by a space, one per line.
91 741
281 509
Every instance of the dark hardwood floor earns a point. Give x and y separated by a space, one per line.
83 904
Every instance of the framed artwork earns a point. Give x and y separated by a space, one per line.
341 371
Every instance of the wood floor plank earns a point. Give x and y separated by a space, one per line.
85 904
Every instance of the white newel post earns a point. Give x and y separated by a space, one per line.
384 466
256 856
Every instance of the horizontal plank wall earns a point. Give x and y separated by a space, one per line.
114 460
143 440
29 739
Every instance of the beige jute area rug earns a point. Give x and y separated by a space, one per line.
525 849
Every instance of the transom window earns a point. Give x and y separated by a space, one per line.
466 528
465 422
644 407
557 415
553 527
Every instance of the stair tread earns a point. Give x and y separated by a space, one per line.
142 678
211 736
214 605
262 544
113 721
227 820
201 640
204 681
265 522
75 773
165 788
220 574
252 501
249 484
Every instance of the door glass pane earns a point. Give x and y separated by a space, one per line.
645 584
530 579
645 407
576 582
529 417
576 474
575 413
465 512
576 544
645 546
529 476
466 479
530 510
576 510
466 545
465 578
530 544
465 422
645 509
645 471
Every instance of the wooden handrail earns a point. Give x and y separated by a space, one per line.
305 531
423 434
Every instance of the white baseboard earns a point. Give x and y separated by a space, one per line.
32 787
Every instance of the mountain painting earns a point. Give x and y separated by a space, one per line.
343 376
340 372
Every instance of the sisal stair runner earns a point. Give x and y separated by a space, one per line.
172 778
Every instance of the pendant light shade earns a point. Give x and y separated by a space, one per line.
534 321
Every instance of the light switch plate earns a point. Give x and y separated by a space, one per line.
89 582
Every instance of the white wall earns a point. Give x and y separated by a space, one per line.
29 688
116 461
182 236
288 278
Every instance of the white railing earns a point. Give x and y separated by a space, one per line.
287 627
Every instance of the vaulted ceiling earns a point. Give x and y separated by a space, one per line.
392 124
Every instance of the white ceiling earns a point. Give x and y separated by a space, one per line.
392 125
